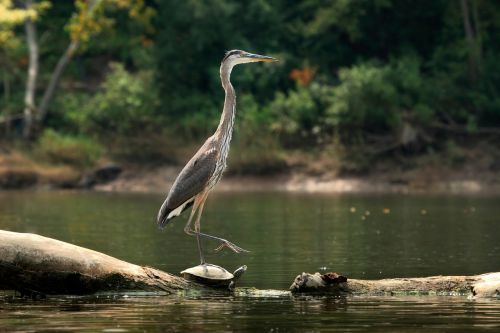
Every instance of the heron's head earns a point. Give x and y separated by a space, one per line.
235 57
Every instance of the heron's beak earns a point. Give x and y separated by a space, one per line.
257 57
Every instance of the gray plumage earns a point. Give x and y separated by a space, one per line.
193 178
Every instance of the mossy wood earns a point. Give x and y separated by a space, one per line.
34 264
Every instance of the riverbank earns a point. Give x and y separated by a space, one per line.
160 179
475 170
18 171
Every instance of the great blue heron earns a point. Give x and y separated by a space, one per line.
205 168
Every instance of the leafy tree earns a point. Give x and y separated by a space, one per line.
90 18
191 39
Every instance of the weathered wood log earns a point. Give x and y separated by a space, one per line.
34 264
31 263
484 285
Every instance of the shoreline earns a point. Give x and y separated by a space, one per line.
18 172
159 180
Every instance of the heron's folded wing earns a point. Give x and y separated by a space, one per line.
193 178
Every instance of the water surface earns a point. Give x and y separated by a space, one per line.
359 236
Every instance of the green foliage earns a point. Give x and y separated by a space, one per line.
364 96
373 66
368 98
191 44
125 106
77 151
255 149
124 115
93 17
344 15
67 115
260 156
372 97
299 116
454 153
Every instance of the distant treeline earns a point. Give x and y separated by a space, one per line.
143 80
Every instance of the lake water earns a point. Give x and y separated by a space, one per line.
371 237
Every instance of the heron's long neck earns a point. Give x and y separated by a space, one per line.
225 129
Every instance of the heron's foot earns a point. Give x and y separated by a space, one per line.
233 247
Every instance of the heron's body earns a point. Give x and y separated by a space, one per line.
204 170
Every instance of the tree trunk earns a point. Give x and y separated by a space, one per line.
477 34
54 80
33 264
50 91
29 95
471 27
6 95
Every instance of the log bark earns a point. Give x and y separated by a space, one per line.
34 264
483 285
31 263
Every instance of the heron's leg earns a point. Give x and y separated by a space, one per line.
225 243
199 202
189 231
197 226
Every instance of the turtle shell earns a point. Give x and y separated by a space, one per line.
208 274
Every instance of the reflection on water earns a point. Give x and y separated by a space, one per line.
358 236
228 314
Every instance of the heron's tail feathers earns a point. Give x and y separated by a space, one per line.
166 214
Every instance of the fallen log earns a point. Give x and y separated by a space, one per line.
483 285
31 263
34 264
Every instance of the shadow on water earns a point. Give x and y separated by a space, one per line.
359 236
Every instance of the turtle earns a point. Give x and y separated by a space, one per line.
213 275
